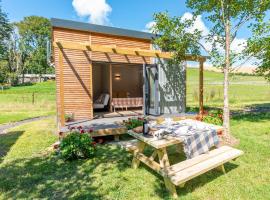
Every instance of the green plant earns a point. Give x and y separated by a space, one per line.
76 145
133 122
69 117
213 117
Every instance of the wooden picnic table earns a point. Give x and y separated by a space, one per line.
179 173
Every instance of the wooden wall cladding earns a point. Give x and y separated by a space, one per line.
77 68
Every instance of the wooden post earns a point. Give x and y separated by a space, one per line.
110 86
201 88
61 83
33 97
91 89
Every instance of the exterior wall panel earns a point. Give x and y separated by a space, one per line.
172 87
77 70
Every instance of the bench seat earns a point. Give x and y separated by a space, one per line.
188 169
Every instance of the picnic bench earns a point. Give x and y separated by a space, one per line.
179 173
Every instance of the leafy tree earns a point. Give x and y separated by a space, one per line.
259 48
226 17
34 32
5 30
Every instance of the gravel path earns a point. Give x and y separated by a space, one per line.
5 127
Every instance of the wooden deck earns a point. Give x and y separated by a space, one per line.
112 125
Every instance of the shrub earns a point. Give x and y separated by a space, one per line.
77 145
69 117
132 123
213 117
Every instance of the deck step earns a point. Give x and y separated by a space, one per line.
186 170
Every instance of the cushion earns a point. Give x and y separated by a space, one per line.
138 129
98 105
100 99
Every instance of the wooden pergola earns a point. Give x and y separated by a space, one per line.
121 51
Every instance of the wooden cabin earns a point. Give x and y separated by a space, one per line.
91 60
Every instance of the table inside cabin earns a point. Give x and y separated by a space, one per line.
160 146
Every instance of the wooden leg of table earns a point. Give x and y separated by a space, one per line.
171 187
140 148
221 168
163 158
182 185
116 138
153 156
164 164
179 148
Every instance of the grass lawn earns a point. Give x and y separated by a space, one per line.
16 102
26 171
244 90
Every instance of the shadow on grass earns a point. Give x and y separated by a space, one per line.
253 117
6 142
52 178
253 109
192 184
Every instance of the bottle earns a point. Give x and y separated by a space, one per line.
145 127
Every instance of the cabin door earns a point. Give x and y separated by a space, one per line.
151 96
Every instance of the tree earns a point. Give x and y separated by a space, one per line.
259 48
227 18
5 30
34 33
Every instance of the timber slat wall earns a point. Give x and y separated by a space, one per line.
77 71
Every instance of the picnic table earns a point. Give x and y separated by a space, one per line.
179 173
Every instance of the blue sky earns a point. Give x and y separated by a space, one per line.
132 14
126 14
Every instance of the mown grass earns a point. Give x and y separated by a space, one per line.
16 103
26 172
244 90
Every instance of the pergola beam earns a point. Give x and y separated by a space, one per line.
121 50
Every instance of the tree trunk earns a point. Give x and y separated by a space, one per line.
226 109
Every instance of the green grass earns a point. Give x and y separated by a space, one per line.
244 90
16 102
26 172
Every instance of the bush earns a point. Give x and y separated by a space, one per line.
132 123
213 117
77 145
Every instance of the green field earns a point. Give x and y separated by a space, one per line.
16 103
28 172
244 91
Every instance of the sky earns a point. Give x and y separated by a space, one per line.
135 15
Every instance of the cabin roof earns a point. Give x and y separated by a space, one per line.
81 26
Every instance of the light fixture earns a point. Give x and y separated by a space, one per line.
117 76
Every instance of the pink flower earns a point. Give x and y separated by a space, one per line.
90 130
61 134
82 131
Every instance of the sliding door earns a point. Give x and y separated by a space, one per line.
151 95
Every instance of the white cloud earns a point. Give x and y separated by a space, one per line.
198 23
96 10
149 26
238 45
